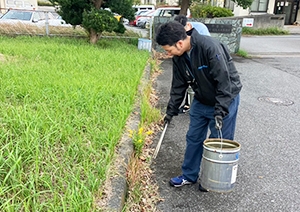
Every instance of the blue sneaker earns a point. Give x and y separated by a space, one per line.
179 181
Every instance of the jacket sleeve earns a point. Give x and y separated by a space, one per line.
219 59
177 92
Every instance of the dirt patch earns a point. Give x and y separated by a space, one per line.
2 58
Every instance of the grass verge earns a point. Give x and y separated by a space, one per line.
63 108
56 31
264 31
143 190
242 53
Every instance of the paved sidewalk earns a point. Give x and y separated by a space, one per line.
293 29
268 133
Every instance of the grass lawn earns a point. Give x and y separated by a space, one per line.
63 107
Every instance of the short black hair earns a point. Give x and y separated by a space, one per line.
181 19
170 33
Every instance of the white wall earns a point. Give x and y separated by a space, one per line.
239 11
28 4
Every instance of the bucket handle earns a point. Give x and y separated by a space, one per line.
221 137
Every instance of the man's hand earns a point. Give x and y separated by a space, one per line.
168 119
219 122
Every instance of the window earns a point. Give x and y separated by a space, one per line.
259 6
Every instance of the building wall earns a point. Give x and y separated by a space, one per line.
2 5
239 11
28 4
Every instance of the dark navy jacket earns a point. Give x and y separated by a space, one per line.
211 73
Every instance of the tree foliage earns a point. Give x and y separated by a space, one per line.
71 10
243 3
91 15
122 7
207 11
99 20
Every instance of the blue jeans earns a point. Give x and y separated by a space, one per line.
202 118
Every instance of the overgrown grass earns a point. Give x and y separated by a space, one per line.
33 30
141 184
63 107
264 31
242 53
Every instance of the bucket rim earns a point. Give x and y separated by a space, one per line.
236 146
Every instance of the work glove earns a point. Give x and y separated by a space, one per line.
167 119
219 122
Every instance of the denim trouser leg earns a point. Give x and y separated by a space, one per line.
229 122
194 140
202 117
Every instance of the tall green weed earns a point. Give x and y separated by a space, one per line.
63 107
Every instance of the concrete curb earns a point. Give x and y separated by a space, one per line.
116 183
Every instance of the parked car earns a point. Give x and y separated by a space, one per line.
142 20
117 16
143 7
137 15
31 17
58 21
165 12
170 12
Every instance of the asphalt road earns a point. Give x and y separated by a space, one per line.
267 129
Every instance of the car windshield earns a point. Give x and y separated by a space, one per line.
18 15
148 13
157 12
141 12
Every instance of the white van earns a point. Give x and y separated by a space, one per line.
143 7
169 12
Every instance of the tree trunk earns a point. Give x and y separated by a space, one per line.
184 6
98 3
94 37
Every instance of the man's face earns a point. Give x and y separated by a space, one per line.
176 49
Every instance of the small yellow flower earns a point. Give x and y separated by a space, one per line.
130 133
150 132
141 130
140 141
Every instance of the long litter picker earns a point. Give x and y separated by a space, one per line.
160 141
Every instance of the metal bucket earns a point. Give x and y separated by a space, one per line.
219 164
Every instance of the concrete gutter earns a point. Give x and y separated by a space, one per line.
115 187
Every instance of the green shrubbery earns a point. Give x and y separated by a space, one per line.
264 31
208 11
44 3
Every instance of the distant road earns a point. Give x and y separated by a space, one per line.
143 32
275 46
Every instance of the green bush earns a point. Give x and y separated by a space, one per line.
120 28
208 11
99 20
264 31
44 3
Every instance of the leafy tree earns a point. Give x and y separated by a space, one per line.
184 6
243 3
95 21
90 15
208 11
